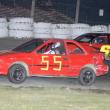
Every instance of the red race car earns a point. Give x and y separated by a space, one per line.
52 57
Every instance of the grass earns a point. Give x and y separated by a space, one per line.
52 99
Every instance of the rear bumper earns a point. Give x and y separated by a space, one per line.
102 69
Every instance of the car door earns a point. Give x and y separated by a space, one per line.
48 61
77 58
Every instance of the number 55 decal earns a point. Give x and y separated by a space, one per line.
105 49
46 62
57 62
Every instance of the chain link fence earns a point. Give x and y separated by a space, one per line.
56 11
44 10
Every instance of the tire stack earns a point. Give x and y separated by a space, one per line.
61 31
20 27
99 29
42 30
78 29
3 28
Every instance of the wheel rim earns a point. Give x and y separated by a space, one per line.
18 74
88 77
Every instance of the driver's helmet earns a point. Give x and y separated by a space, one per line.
56 45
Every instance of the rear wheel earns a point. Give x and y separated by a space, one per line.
17 73
87 76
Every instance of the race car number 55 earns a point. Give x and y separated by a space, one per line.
47 62
105 49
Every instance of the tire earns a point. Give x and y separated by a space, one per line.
17 73
87 76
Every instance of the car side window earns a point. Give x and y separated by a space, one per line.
52 48
74 49
44 48
100 40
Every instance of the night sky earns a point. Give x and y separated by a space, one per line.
89 10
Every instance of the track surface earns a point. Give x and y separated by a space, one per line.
102 83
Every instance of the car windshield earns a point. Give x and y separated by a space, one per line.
88 38
85 38
30 45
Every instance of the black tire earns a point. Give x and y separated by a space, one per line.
87 76
17 73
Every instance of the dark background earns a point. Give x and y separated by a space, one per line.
89 9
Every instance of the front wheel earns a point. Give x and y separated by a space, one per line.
17 73
87 76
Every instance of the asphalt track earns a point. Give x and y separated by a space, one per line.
101 83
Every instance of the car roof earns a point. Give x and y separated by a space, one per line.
95 34
86 51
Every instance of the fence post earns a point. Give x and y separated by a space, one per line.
33 9
77 11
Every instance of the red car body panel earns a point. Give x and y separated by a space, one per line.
68 64
91 45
